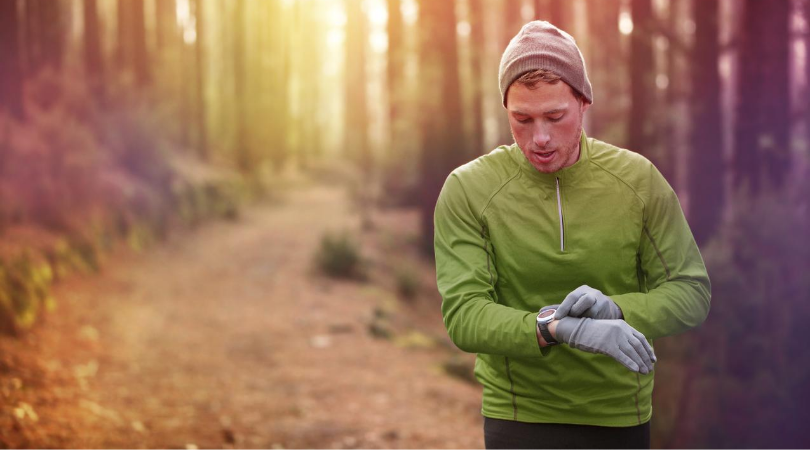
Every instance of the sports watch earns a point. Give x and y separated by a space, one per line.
545 317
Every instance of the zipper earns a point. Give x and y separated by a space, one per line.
559 211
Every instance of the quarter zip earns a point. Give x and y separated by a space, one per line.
559 211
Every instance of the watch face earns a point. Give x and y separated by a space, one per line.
546 316
546 313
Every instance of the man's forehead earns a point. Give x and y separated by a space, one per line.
529 109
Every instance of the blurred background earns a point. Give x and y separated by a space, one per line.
216 215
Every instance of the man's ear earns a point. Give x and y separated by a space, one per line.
585 106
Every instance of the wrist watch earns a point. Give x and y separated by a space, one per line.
543 319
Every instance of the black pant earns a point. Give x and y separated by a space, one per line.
500 433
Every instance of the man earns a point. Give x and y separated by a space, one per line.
589 235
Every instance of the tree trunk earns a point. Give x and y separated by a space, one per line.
93 57
604 50
356 109
243 153
642 81
706 168
511 26
356 137
762 131
477 52
560 15
10 64
394 72
140 54
165 23
202 129
441 117
124 45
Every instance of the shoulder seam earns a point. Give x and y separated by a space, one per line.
643 203
489 200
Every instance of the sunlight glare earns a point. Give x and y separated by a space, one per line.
410 11
625 23
378 14
379 41
463 28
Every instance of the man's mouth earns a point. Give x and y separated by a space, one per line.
543 156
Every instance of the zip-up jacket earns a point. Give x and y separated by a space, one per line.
510 240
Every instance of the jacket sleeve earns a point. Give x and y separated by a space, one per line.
466 278
678 291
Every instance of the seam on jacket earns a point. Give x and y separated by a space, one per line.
486 250
489 200
511 389
638 410
629 186
660 256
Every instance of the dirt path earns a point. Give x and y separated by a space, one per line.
226 337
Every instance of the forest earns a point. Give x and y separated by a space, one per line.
238 138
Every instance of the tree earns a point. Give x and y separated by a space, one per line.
10 65
441 117
395 68
478 50
512 22
603 50
165 23
706 168
244 157
356 137
93 58
762 128
202 131
140 54
641 127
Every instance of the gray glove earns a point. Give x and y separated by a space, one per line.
586 301
614 338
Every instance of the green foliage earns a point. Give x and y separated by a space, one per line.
408 282
339 256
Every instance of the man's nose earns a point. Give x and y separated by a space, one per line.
541 136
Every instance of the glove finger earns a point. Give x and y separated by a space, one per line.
565 306
647 347
642 352
633 355
625 360
583 304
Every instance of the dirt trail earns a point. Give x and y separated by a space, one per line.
225 337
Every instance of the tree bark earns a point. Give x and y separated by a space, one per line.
202 129
243 153
140 54
604 45
642 80
706 167
441 118
165 23
93 57
10 64
512 23
394 71
477 52
762 132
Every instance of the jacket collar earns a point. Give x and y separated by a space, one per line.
566 175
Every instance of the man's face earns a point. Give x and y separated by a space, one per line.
546 123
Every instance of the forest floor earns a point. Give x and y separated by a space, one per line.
227 336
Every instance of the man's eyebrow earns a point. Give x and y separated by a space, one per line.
551 111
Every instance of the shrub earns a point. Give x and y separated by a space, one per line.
339 256
408 283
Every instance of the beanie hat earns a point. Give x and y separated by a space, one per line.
541 45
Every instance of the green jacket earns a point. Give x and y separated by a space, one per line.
510 240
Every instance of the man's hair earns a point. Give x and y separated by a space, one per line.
532 78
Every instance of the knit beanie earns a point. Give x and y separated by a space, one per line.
541 45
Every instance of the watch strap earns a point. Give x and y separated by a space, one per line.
543 327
